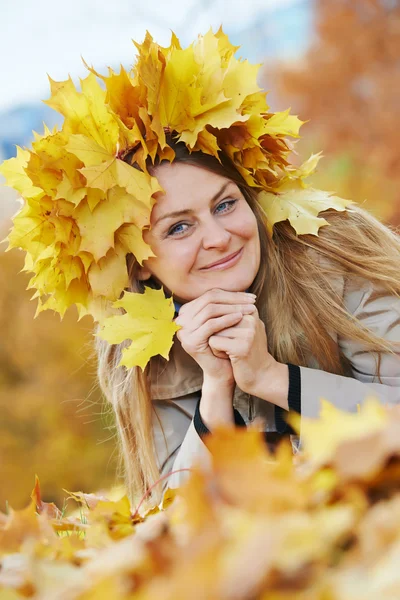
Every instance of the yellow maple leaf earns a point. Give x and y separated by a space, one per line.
87 150
62 298
13 170
300 173
201 85
300 207
115 172
148 322
176 84
19 526
46 178
321 437
109 276
98 227
66 189
281 123
131 239
207 143
123 97
55 268
85 112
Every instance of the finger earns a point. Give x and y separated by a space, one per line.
235 332
241 330
212 326
212 311
223 344
219 354
216 296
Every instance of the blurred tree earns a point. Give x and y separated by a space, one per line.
347 85
53 421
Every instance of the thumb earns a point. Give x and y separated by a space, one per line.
221 345
219 353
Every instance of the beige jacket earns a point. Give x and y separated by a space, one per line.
176 384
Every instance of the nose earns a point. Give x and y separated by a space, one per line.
215 235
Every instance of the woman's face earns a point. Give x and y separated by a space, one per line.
201 218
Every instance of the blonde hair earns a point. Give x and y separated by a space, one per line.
295 300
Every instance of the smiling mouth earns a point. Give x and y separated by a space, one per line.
227 262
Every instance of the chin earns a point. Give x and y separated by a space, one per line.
240 283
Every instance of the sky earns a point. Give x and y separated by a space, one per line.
49 36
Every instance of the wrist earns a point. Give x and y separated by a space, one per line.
272 385
216 404
218 381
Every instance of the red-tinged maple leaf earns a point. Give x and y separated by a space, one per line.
21 525
90 501
267 484
47 508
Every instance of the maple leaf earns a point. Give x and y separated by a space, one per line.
109 276
298 174
98 227
280 123
90 501
123 96
48 508
268 486
195 508
115 172
85 112
300 207
87 150
148 323
66 189
20 525
175 89
370 437
323 436
207 143
62 298
195 87
13 170
131 239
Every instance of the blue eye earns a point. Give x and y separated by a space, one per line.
175 229
230 203
225 206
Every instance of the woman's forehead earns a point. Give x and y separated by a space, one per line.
186 186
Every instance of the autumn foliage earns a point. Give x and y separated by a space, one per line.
53 421
347 87
85 206
319 525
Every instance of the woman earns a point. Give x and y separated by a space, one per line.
175 178
273 329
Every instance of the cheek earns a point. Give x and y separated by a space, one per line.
247 226
176 258
182 256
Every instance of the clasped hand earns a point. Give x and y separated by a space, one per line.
223 332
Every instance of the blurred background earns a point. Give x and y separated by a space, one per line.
336 63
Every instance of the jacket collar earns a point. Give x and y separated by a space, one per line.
178 376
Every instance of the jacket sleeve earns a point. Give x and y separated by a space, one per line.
380 312
177 444
181 446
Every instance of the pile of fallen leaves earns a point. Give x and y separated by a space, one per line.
321 524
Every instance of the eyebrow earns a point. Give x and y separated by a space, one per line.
187 211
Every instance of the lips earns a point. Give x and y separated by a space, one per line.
223 260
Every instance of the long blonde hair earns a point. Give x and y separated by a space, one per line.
295 300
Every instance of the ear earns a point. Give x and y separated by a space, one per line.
143 273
